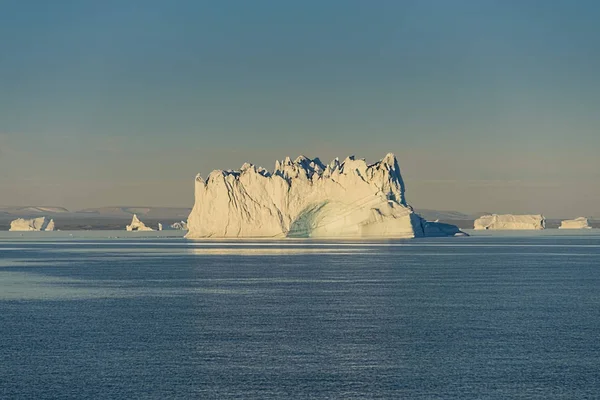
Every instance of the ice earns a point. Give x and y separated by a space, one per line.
305 198
182 226
510 222
577 223
33 224
137 225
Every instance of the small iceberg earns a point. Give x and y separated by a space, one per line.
137 225
181 226
510 222
32 225
577 223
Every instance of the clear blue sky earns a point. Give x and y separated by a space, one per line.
489 105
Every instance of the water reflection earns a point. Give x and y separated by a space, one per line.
260 251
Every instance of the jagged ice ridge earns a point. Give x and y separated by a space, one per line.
137 225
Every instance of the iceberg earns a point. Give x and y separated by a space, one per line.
137 225
177 226
181 226
510 222
577 223
306 198
33 224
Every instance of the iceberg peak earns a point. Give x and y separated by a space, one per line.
390 160
137 225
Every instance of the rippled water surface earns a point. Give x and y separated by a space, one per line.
156 318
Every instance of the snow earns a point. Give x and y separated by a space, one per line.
33 224
510 222
577 223
305 198
137 225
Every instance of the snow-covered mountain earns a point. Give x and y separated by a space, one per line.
305 198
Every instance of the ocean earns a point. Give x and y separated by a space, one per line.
118 316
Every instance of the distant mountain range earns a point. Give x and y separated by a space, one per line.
32 211
148 212
177 213
432 215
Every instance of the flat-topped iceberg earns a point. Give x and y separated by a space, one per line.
510 222
305 198
577 223
137 225
33 224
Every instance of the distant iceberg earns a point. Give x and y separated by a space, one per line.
510 222
305 198
137 225
181 226
177 226
577 223
33 224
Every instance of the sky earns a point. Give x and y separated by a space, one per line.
490 106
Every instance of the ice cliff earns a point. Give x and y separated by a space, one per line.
137 225
510 222
34 224
305 198
577 223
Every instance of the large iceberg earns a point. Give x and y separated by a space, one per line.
577 223
510 222
33 224
137 225
305 198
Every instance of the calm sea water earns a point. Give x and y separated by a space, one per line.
161 318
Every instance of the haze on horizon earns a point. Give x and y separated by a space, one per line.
489 105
